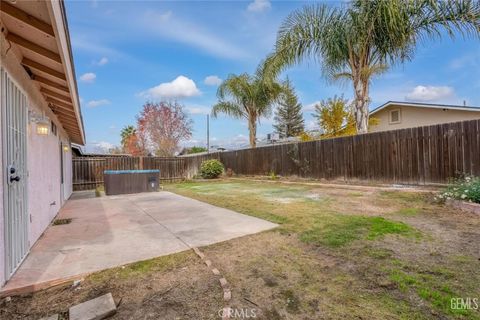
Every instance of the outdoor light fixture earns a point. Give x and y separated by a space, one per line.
65 148
43 128
42 122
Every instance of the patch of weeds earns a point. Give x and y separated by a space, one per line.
272 314
272 175
355 194
292 301
270 281
408 211
403 197
379 253
58 222
463 259
350 228
159 264
402 279
429 288
99 191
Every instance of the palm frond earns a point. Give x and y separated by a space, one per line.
307 33
229 108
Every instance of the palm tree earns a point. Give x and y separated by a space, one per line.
126 133
360 40
248 97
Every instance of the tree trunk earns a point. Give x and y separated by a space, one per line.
252 128
361 106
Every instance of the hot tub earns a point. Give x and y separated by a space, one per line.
130 181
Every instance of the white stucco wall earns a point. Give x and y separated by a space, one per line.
43 158
2 239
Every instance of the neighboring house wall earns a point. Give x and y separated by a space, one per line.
43 158
411 117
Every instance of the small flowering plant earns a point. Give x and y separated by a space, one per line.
466 188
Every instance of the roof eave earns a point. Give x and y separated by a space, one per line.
60 25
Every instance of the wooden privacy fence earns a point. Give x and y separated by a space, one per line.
88 171
422 155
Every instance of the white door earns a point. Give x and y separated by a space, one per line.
14 116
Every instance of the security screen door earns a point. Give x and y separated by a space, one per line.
14 116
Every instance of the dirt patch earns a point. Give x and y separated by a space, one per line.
173 287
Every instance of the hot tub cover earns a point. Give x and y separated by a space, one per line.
129 171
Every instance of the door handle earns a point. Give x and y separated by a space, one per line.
17 178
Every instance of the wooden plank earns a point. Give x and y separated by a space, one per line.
27 18
40 67
33 47
51 83
60 104
53 94
62 112
68 121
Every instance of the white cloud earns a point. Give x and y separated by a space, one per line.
97 103
102 61
469 60
170 27
100 147
311 125
311 106
430 93
212 80
181 87
88 77
197 109
259 6
83 43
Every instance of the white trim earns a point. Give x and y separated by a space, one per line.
421 105
58 24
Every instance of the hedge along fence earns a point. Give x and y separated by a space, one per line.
422 155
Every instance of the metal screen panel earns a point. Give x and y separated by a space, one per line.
14 148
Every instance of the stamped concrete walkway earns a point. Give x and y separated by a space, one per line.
111 231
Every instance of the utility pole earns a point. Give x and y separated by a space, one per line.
208 133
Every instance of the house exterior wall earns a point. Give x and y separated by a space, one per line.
419 116
43 158
2 227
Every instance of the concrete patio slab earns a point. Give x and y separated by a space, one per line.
111 231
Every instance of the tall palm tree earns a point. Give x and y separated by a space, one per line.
361 39
248 97
126 133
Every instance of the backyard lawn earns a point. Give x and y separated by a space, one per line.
338 253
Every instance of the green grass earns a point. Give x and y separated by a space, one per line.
432 289
323 222
350 228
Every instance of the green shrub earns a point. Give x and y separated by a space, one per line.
465 188
211 169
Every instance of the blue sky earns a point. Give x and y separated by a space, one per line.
127 52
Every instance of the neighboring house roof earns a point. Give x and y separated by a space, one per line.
39 31
425 105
